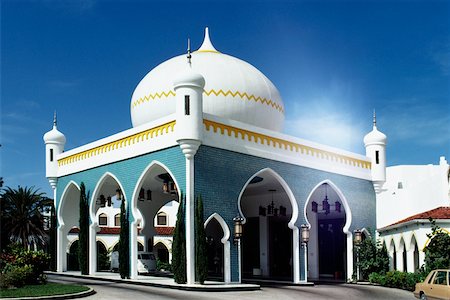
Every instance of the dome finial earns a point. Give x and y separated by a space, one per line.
374 118
207 46
189 56
54 119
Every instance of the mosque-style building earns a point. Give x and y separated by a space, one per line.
209 124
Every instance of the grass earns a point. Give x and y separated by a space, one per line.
43 290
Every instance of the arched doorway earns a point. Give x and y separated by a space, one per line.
402 258
104 206
103 261
328 249
392 256
218 248
72 257
161 252
155 188
269 234
68 217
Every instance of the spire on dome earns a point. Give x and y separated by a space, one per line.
189 56
374 118
207 46
54 119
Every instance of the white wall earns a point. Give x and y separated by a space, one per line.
425 187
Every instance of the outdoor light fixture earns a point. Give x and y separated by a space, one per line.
237 228
326 206
141 194
169 186
358 237
149 195
165 187
101 201
305 233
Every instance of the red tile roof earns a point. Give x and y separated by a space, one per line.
103 230
441 213
160 230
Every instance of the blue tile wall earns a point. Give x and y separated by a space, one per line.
220 175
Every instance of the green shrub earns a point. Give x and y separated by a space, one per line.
161 265
16 276
373 257
397 279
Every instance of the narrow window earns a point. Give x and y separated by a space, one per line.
377 157
187 108
117 220
51 154
161 219
103 219
400 185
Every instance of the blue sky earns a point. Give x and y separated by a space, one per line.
332 61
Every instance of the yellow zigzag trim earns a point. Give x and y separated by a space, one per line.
283 144
120 143
243 96
154 97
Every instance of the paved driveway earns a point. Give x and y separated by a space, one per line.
111 290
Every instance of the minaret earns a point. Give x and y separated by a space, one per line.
188 87
375 143
54 145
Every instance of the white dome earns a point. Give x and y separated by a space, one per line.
54 136
234 90
375 137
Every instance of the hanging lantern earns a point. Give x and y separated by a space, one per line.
315 206
337 206
149 195
165 187
141 194
237 228
119 194
262 211
109 201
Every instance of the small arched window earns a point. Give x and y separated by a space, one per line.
117 220
161 219
103 219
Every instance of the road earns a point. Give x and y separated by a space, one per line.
111 290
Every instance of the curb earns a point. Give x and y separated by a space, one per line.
198 288
87 293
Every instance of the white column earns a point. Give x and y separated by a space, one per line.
239 260
61 256
227 265
296 257
133 250
190 234
410 260
92 249
421 258
349 256
400 266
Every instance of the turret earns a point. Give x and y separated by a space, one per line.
188 87
375 143
54 145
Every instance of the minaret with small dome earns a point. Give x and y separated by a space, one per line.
375 143
54 145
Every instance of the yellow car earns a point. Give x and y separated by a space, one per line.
435 286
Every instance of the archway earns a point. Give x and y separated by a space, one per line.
72 257
415 255
68 217
103 261
330 243
402 256
270 237
392 256
161 252
104 205
155 188
218 248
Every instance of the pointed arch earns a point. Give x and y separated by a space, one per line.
291 223
226 244
348 213
94 226
346 227
71 184
137 216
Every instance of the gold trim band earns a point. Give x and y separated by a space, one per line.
283 144
120 143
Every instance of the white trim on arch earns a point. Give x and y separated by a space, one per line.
291 224
94 227
137 216
226 245
62 241
348 221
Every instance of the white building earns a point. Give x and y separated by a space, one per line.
411 195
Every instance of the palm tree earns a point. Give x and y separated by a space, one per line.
21 215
